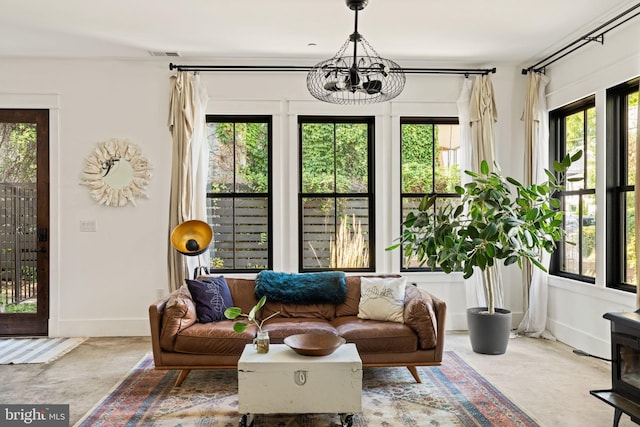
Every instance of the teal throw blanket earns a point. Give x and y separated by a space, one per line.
302 288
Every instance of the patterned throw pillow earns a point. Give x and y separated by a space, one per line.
382 298
211 296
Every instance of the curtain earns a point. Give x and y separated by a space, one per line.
477 114
536 138
637 202
474 286
483 114
187 198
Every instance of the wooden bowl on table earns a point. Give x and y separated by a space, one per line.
314 344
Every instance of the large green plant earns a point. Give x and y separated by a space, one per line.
498 218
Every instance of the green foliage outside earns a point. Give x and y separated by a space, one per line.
588 240
417 158
578 140
334 158
419 143
243 150
631 264
18 145
20 308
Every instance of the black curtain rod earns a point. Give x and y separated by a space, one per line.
582 41
293 68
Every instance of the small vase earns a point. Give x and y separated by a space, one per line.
261 342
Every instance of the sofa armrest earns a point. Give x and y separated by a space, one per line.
424 313
156 311
440 308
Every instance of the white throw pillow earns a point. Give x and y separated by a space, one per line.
382 298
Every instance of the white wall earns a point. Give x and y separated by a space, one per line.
102 282
575 308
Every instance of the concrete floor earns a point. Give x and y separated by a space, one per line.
546 379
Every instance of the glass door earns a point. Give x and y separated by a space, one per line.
24 222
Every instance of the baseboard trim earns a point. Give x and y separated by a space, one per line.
102 327
579 339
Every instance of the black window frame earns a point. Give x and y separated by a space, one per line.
423 121
222 118
370 194
617 186
557 151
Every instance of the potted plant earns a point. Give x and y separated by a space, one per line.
261 342
498 219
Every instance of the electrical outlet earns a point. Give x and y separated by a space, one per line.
87 225
159 292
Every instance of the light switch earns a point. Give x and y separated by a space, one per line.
87 225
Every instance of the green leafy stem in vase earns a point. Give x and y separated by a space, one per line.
235 312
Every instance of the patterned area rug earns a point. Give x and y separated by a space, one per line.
450 395
35 350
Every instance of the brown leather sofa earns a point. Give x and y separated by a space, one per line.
180 342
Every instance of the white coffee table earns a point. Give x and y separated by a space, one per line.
283 382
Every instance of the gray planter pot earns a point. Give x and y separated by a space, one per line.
489 333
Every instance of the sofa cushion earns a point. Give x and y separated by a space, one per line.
374 336
242 293
299 311
212 298
382 298
179 313
213 338
301 288
420 316
352 299
280 328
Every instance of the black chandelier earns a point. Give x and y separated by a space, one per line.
361 78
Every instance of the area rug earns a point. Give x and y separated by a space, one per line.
14 351
453 394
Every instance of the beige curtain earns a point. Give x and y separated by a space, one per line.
536 138
531 122
637 203
186 117
481 116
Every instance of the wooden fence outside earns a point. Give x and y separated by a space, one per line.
18 241
243 243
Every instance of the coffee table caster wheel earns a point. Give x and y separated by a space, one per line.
246 421
346 420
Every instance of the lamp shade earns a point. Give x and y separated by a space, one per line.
191 237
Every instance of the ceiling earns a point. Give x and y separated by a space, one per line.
299 32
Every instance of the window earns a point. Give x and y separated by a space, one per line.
430 165
239 197
336 200
622 117
573 128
